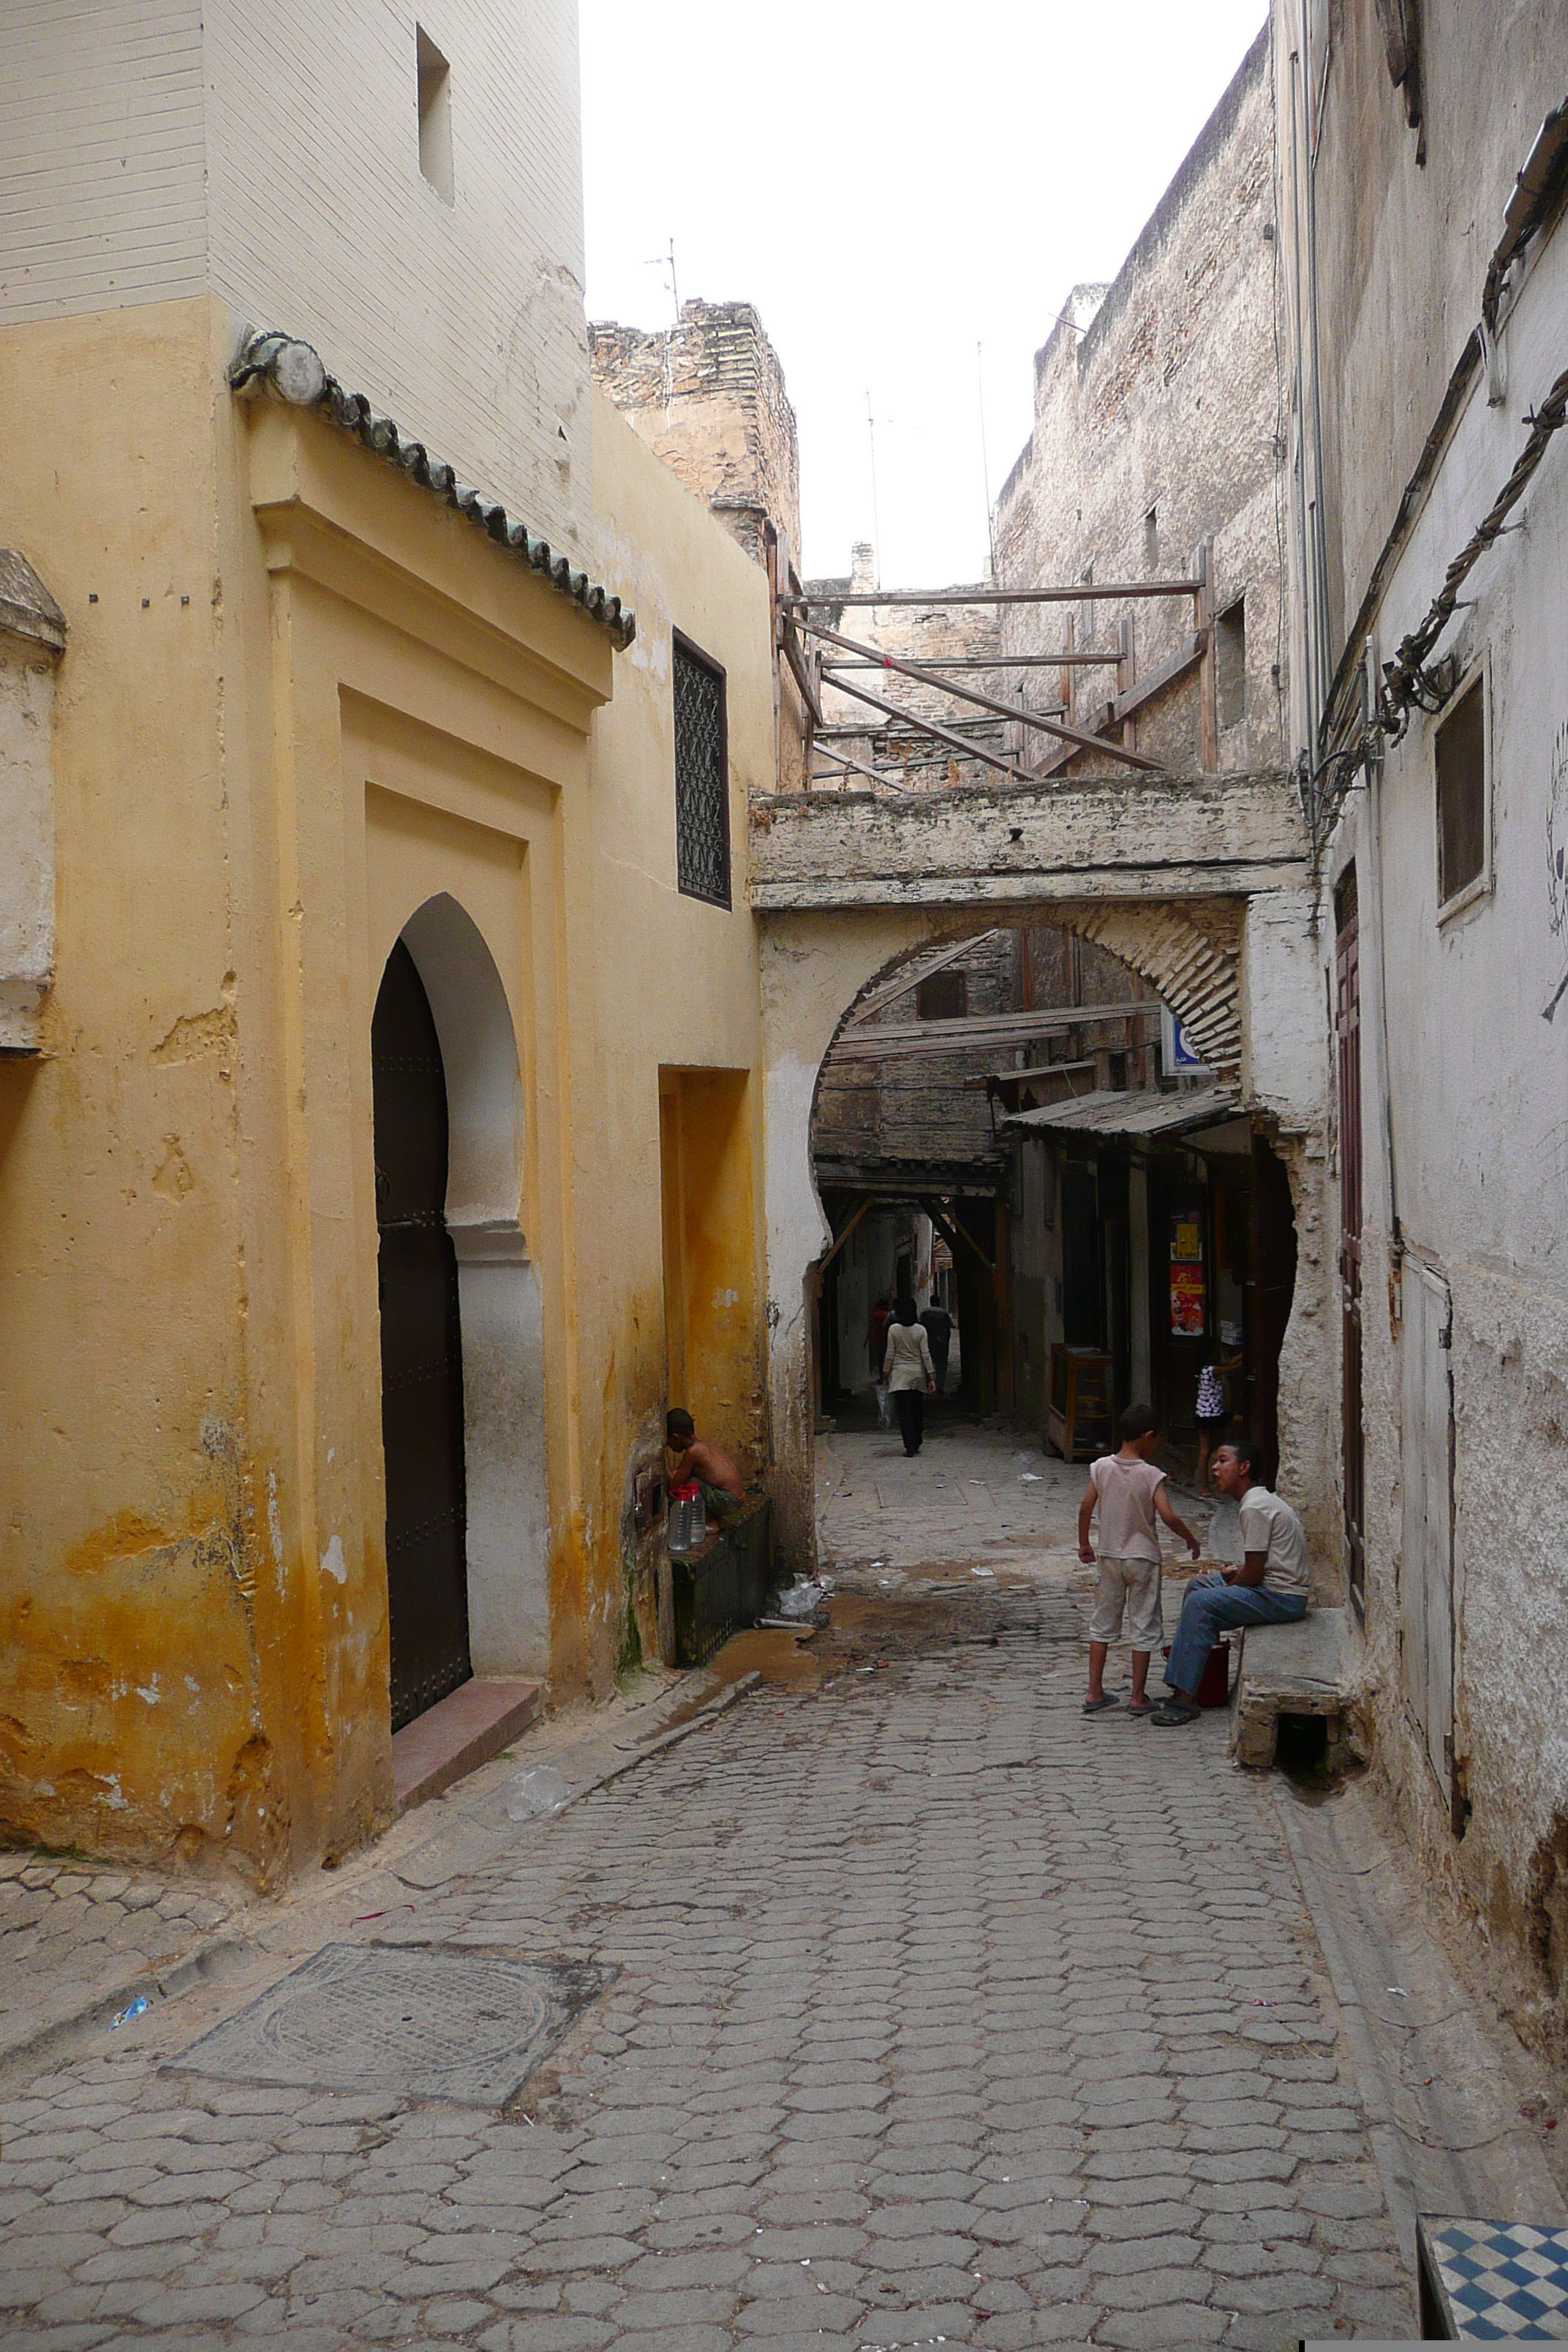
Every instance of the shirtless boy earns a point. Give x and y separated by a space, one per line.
693 1457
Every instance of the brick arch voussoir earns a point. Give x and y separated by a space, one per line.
1197 974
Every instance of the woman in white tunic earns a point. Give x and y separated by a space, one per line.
909 1371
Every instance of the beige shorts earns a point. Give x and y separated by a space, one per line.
1134 1583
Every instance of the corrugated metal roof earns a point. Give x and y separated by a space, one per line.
1134 1111
294 370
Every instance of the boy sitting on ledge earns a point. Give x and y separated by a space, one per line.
1268 1588
690 1457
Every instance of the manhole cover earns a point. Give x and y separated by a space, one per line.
407 2019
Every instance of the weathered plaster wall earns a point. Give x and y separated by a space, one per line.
132 1598
1403 233
310 707
676 981
1463 1086
1156 425
1128 835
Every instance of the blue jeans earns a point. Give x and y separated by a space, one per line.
1210 1608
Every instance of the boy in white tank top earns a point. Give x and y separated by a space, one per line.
1130 1496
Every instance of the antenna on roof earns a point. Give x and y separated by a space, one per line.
667 261
875 517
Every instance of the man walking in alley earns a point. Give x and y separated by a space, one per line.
908 1370
938 1331
1130 1495
1268 1588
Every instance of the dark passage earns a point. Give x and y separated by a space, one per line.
421 1350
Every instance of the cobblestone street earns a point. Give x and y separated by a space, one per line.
938 2014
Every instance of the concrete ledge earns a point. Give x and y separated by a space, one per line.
457 1735
1299 1669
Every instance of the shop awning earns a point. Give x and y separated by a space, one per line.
1134 1112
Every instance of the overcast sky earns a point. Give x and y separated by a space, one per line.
890 187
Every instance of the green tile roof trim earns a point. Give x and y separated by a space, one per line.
295 372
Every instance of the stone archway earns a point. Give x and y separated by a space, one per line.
818 964
499 1293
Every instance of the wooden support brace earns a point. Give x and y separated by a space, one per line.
963 694
950 1234
847 1229
1208 677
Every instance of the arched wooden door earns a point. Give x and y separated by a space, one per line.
421 1350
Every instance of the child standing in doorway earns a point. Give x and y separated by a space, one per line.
1130 1495
1213 1419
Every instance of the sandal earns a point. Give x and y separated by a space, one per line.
1098 1706
1172 1712
1140 1707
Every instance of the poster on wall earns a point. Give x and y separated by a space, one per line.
1186 1239
1186 1275
1187 1301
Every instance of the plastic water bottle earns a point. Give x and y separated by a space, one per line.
698 1509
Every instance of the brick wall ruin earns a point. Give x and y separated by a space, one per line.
1156 427
707 396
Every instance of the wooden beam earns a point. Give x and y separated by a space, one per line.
877 775
964 694
1208 681
892 988
870 1044
950 1235
955 743
798 662
1089 659
849 1225
1081 593
1142 690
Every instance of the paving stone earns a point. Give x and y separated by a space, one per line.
902 2016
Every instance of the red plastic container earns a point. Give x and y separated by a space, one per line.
1214 1683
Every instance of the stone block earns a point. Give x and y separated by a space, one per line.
1306 1668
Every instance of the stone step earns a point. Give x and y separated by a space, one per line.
457 1735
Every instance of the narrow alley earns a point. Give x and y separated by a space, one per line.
895 2004
784 1186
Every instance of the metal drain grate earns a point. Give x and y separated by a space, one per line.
409 2018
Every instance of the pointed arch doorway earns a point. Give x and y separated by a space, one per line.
421 1349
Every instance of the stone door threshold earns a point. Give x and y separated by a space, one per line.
457 1735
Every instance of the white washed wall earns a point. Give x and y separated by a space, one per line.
463 321
103 200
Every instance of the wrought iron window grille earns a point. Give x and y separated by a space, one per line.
701 777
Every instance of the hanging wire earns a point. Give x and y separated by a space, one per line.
1408 682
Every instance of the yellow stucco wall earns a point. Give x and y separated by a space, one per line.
677 986
363 705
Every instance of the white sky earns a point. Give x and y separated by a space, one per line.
889 186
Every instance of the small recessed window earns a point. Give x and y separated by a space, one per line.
1230 663
702 778
1151 541
1462 794
943 997
435 114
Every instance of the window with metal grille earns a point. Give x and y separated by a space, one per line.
1462 794
701 777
